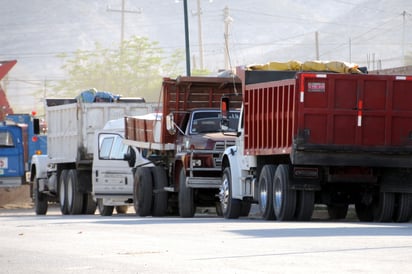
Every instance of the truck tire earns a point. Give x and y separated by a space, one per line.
104 210
159 194
305 203
89 205
384 207
186 201
143 191
74 196
231 208
63 192
337 211
122 209
265 188
403 209
284 198
40 200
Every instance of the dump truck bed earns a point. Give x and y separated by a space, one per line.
180 96
72 124
319 118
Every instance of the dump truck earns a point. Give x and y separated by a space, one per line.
64 175
314 137
185 144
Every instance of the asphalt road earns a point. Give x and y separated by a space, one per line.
205 244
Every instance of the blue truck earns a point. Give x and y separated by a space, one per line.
18 143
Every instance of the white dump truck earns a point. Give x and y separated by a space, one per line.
64 175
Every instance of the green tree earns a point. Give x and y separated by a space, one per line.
134 70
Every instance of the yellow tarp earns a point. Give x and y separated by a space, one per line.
332 66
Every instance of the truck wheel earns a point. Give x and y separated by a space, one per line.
337 211
89 205
74 196
63 192
284 198
231 208
364 212
40 200
266 191
186 200
104 210
305 203
383 208
122 209
142 191
159 194
403 209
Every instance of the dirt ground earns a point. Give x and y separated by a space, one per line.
15 197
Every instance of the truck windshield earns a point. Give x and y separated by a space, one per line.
6 139
209 121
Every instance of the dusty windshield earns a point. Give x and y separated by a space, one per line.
209 121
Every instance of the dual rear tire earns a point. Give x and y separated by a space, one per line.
149 195
73 200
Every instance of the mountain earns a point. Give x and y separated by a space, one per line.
367 32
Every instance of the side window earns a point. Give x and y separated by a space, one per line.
105 147
118 149
6 139
111 147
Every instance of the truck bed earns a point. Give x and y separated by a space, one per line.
71 126
179 96
319 118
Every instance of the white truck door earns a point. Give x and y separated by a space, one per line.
111 174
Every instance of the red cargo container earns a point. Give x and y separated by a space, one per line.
317 117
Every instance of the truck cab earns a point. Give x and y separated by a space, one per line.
112 176
200 144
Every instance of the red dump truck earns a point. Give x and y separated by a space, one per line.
310 138
185 144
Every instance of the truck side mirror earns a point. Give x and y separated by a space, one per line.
224 109
170 124
130 157
36 126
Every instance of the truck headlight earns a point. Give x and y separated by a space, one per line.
197 162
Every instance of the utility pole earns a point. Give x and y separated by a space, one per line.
198 13
317 45
404 14
187 44
123 11
228 20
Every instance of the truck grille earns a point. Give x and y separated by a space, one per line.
220 147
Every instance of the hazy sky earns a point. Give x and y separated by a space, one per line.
367 32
